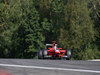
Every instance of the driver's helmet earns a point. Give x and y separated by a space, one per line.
54 44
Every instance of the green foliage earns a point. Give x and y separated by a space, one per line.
95 15
77 32
57 17
26 25
89 53
28 35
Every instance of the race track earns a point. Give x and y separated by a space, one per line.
48 67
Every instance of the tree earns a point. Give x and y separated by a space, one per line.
57 17
95 15
5 29
26 25
78 31
28 38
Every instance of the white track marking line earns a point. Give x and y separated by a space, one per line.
95 60
49 68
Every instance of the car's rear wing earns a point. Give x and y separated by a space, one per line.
50 44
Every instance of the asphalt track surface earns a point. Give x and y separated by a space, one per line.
48 67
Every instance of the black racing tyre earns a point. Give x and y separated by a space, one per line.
45 52
69 54
40 54
68 58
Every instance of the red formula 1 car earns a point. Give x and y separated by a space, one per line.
52 51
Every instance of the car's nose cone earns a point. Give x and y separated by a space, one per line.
57 51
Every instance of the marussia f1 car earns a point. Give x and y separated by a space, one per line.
52 51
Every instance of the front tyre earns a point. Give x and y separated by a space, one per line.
69 54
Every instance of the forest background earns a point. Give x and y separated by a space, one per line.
27 25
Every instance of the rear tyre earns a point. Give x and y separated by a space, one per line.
40 54
45 53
